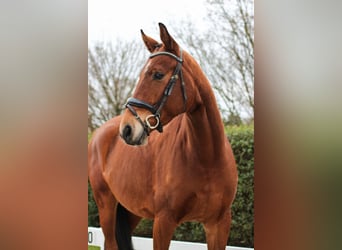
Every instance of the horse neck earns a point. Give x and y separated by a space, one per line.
206 122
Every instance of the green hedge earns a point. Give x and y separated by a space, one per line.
242 227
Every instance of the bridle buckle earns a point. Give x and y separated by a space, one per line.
156 117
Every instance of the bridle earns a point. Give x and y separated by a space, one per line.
156 108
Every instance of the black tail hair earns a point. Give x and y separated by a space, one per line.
123 229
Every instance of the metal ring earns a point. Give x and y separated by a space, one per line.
148 123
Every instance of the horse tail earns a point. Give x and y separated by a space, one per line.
123 229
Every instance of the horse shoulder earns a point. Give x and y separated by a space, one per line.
101 144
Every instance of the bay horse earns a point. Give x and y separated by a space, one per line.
186 172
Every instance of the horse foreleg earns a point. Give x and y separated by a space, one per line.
106 205
217 233
163 228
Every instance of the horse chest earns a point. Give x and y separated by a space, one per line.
130 181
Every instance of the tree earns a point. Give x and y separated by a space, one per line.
234 23
225 51
113 70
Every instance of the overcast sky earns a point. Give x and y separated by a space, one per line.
109 19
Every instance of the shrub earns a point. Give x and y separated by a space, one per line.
144 228
190 231
242 228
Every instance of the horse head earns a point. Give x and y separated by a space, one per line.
161 93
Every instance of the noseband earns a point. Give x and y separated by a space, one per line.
157 107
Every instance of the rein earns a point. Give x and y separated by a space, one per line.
157 107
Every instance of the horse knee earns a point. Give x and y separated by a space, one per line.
217 233
163 228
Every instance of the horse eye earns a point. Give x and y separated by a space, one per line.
158 76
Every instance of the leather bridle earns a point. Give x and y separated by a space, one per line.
156 108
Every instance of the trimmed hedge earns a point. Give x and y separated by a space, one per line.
242 228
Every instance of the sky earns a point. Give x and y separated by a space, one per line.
111 19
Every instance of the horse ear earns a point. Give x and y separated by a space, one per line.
150 43
169 43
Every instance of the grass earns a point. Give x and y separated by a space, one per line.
90 247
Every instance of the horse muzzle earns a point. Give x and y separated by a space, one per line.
133 135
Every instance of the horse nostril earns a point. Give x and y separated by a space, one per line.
127 133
